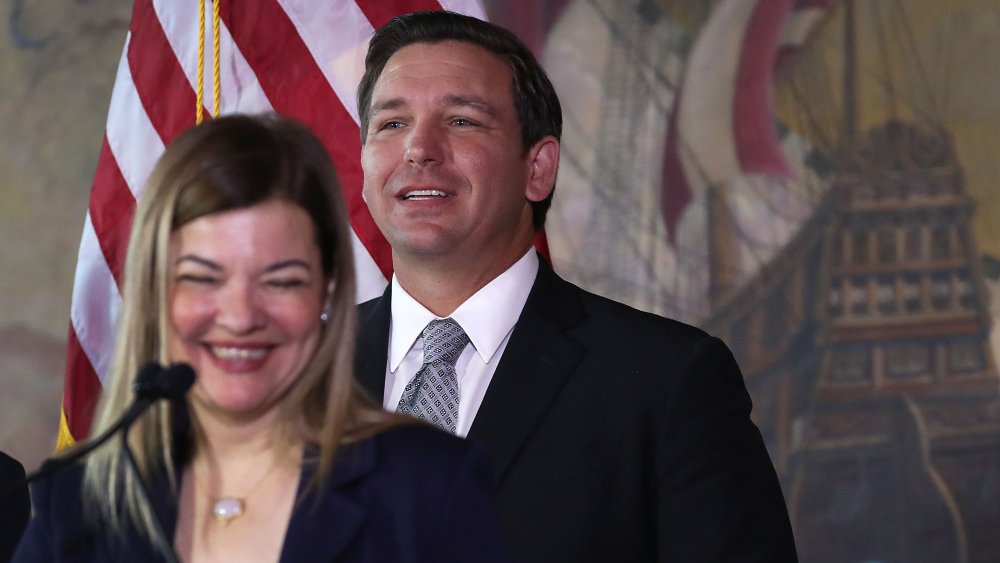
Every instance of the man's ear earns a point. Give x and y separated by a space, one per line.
543 165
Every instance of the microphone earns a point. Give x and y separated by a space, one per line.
153 382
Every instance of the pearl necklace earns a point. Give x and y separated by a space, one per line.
226 509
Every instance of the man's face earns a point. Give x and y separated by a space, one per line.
446 174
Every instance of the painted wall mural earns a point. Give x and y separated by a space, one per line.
814 183
811 180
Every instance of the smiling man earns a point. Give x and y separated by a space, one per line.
617 435
447 176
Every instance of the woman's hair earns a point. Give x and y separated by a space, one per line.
232 162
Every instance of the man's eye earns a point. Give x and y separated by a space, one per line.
463 122
390 125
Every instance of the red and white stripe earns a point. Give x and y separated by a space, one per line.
723 121
300 58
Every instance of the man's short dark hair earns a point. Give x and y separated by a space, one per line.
535 100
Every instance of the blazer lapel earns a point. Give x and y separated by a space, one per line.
323 527
537 362
373 344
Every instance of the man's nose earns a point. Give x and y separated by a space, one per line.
424 145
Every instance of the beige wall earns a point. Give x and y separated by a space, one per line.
57 66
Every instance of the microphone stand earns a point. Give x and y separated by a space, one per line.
168 551
153 383
141 403
170 383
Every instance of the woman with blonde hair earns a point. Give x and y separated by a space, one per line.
239 264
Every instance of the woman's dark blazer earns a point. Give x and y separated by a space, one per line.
409 495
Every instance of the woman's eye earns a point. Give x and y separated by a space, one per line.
286 283
196 279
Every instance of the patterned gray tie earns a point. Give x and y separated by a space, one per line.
432 394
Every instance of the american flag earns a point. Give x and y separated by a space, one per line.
299 58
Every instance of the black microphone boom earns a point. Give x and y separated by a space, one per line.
152 383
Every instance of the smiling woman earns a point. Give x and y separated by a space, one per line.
240 265
246 293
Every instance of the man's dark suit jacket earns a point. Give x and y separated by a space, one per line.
15 507
617 436
410 495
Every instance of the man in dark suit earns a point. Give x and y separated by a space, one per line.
617 435
15 506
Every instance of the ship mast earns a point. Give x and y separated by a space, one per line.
850 74
723 254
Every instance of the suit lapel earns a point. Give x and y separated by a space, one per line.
373 344
538 361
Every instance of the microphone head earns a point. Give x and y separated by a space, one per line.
154 382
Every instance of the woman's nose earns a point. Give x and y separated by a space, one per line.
239 312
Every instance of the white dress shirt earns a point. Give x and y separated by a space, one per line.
488 317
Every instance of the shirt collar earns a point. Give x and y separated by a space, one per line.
487 317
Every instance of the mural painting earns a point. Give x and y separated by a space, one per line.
811 180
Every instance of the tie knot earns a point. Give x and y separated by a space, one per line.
444 341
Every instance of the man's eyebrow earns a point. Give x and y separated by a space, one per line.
450 100
390 104
473 102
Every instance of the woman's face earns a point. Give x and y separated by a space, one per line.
246 292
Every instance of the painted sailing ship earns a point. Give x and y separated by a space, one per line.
856 302
865 343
